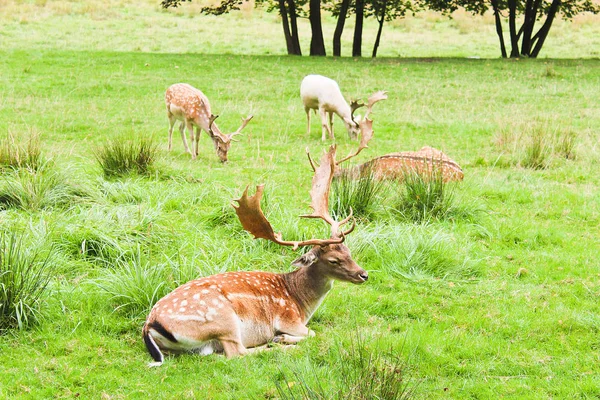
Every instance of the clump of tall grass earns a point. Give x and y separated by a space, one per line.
424 196
414 252
34 189
357 193
126 156
15 155
24 277
135 283
537 151
358 373
534 145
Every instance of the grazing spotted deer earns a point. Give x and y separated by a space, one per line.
240 312
189 105
323 94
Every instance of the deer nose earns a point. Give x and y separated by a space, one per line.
364 276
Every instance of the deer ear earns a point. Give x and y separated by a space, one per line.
305 260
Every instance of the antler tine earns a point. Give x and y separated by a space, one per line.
374 98
355 105
244 123
254 221
366 136
211 120
310 160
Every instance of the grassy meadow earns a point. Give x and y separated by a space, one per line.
498 297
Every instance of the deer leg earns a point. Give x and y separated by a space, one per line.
197 140
191 132
171 125
292 334
233 348
324 125
331 135
307 111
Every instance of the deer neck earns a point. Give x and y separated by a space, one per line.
308 286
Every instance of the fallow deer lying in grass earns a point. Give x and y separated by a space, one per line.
189 105
323 94
427 162
240 312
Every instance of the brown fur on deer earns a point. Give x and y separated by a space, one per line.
189 105
426 162
240 312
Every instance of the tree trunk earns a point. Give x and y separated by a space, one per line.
499 27
294 23
317 45
531 9
286 27
514 38
381 21
358 28
339 28
540 37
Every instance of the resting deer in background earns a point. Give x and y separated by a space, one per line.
323 94
240 312
189 105
428 162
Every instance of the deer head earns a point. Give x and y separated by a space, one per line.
223 141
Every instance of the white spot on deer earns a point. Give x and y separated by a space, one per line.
205 291
196 296
202 303
183 303
215 302
282 302
182 309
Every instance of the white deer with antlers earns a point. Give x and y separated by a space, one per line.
240 312
189 105
323 94
366 130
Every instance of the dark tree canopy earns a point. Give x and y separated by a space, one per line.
540 12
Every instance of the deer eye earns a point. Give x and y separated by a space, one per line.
334 261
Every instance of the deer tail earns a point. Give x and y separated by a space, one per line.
152 347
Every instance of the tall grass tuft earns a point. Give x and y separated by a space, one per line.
358 373
125 156
24 278
357 193
565 144
15 155
44 187
534 145
135 283
424 196
538 150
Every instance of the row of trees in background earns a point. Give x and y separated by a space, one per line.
536 18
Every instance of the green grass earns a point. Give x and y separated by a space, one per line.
122 157
499 299
25 273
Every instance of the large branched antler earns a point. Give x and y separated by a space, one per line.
239 130
319 193
254 221
366 126
374 98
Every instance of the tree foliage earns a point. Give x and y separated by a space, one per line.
524 40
